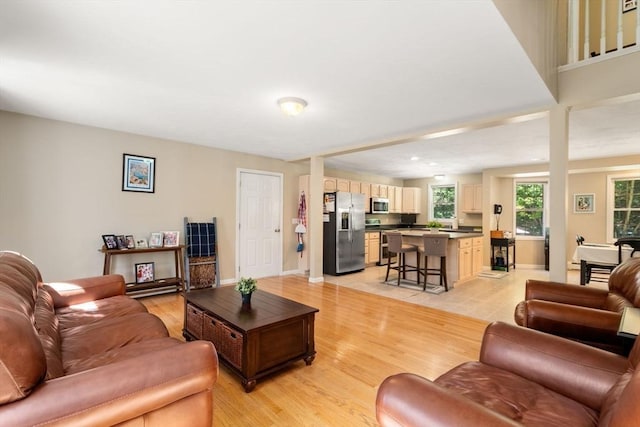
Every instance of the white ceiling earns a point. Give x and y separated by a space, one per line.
210 73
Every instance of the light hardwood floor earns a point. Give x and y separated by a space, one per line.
362 336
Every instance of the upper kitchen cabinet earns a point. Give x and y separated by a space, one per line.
472 198
365 188
410 200
355 186
375 190
330 185
343 185
384 191
395 199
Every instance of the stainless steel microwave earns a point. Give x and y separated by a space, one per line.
379 205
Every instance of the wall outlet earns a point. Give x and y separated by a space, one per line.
461 221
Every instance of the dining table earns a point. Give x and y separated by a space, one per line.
600 254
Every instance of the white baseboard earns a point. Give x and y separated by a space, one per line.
316 279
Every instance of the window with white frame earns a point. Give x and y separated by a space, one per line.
623 206
530 208
442 201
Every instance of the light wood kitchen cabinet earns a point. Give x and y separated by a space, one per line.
330 185
384 191
365 188
354 186
476 250
343 185
391 191
371 247
472 198
375 190
465 259
410 200
398 197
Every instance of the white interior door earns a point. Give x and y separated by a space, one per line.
260 224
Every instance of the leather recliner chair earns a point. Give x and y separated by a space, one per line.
523 377
589 315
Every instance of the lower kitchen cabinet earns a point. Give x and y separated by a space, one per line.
371 247
476 249
469 257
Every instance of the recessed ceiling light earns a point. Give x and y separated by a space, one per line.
439 177
433 164
414 158
292 106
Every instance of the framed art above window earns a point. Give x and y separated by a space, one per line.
139 173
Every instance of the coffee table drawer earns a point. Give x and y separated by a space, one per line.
195 318
231 342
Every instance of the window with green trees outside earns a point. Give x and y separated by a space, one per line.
626 207
443 201
529 209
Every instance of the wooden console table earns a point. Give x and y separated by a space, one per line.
252 341
158 286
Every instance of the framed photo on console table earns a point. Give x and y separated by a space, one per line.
110 241
155 240
139 173
171 238
145 272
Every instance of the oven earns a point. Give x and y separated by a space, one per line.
384 250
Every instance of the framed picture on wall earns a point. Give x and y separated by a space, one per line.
629 5
144 272
139 173
584 203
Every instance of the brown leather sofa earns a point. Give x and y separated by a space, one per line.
83 353
523 377
585 314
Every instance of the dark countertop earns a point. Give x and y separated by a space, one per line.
386 227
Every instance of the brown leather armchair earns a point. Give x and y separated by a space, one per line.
522 377
588 315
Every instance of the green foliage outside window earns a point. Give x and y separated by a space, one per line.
443 201
530 209
626 210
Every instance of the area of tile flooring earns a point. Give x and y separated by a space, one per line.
482 298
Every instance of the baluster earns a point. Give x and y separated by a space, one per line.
619 41
574 27
587 35
603 27
637 25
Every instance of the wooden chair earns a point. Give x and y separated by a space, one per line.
394 239
633 242
434 244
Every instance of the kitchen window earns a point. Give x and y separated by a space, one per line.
623 206
530 208
442 201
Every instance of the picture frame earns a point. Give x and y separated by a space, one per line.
629 5
122 241
171 238
138 173
584 203
141 243
131 244
110 241
144 272
155 240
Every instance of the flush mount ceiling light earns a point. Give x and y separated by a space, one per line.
439 177
292 106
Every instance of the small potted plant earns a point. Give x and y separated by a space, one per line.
246 286
434 226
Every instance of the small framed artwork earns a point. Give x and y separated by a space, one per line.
155 241
122 242
629 5
139 173
171 238
141 244
110 241
584 203
144 272
131 244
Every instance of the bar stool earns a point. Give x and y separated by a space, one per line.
394 238
434 244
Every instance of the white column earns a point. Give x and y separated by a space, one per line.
314 207
558 179
638 26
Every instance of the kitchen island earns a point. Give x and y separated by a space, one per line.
464 254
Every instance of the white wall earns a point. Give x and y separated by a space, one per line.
60 190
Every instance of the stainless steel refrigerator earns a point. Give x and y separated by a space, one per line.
343 232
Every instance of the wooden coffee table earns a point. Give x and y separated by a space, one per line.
252 342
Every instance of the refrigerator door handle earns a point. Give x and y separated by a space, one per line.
350 225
